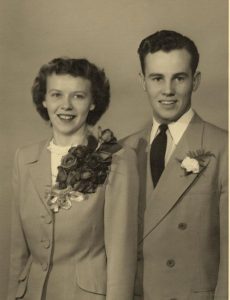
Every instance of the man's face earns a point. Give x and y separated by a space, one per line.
169 83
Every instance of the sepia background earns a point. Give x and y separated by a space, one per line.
108 33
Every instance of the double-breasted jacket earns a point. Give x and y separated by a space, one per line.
183 227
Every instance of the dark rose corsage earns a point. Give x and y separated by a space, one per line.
82 170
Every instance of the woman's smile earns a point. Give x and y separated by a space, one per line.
66 117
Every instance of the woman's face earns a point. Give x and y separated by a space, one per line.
68 101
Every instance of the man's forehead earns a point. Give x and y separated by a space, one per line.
172 54
177 60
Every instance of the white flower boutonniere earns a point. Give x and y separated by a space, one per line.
191 165
195 161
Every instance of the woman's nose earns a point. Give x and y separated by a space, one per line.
66 103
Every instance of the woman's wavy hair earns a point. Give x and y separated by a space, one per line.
100 87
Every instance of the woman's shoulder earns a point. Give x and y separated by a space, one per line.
31 151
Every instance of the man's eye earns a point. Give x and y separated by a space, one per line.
157 79
180 78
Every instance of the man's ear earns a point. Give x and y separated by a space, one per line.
196 80
142 80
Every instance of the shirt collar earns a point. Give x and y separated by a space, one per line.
176 129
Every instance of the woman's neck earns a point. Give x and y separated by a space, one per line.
79 138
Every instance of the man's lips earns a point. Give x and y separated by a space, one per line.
167 102
66 116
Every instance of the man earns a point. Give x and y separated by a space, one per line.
182 163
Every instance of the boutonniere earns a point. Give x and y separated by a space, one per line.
82 170
195 161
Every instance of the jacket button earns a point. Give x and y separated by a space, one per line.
170 263
46 218
182 226
44 266
46 243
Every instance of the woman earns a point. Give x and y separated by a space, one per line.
74 229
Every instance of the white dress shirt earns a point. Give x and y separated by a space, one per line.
174 132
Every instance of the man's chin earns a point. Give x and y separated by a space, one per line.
167 118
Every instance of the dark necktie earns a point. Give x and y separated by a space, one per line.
157 154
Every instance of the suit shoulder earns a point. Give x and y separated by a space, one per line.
215 134
124 164
133 139
215 139
216 129
125 153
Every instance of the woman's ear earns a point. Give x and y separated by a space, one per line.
196 80
92 106
44 104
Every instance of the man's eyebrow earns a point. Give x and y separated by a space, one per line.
155 74
180 74
162 75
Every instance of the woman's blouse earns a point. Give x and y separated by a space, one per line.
57 152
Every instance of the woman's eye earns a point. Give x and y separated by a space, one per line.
56 95
78 96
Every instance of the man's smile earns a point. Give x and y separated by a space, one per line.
168 102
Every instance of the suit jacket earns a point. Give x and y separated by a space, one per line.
87 252
182 249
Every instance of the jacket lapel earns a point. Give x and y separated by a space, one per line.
142 158
142 148
173 182
40 170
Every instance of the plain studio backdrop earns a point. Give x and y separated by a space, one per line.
108 33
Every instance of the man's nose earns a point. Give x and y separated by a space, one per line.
168 89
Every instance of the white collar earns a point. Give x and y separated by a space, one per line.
59 150
176 129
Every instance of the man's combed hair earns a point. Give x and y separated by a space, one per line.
100 87
167 40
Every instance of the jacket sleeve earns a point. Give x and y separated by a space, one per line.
19 251
121 203
221 292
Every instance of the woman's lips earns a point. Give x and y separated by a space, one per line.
66 117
